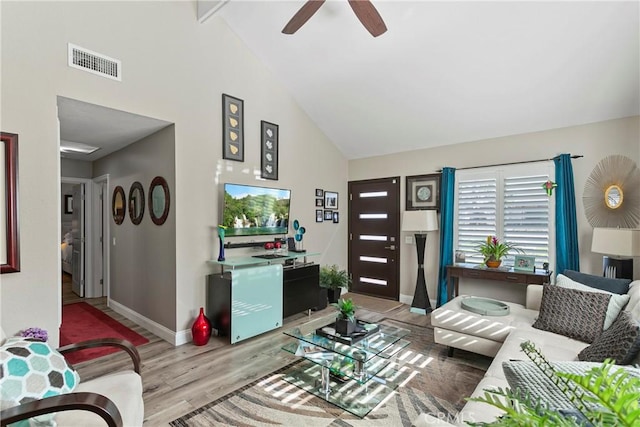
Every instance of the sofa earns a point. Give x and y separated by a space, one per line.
500 337
36 381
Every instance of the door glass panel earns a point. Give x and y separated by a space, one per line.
374 216
373 259
374 194
370 237
373 281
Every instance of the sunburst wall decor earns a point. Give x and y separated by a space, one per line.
611 195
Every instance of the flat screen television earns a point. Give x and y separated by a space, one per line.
254 211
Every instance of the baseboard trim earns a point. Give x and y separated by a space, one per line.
175 338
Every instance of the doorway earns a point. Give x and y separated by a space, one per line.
374 227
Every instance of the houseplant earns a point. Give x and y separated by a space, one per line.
333 279
346 320
493 250
602 396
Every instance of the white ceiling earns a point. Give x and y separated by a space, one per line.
449 72
103 127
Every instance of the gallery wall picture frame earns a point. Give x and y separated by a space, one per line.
319 192
328 215
423 192
68 204
336 217
524 263
320 203
232 128
319 215
10 244
269 134
330 200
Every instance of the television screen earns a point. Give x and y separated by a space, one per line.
254 211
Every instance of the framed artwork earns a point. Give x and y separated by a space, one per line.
320 203
459 257
423 192
9 232
330 200
524 263
68 204
232 128
328 215
269 150
319 192
336 217
319 215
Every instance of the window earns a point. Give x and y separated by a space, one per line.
508 202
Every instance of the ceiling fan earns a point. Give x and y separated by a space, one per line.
364 10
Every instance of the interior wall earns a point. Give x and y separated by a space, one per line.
142 267
71 168
174 69
594 141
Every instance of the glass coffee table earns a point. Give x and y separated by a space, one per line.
354 374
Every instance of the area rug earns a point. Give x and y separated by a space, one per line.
378 305
82 321
438 386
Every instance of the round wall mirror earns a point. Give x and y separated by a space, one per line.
613 196
159 200
117 205
136 203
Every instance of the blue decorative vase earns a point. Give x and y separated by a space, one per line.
221 252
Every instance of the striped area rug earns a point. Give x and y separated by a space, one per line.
439 387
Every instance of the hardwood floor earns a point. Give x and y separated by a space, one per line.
180 379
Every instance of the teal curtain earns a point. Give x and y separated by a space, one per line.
447 195
567 255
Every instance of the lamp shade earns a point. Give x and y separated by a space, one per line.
616 241
420 221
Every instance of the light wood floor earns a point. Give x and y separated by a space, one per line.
180 379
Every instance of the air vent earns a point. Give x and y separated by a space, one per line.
96 63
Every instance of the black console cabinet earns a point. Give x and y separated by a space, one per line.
301 289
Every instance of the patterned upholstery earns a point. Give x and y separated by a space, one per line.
621 342
31 370
572 313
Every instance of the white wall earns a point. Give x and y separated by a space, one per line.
174 69
143 257
71 168
593 141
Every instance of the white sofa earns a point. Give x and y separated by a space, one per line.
500 337
114 399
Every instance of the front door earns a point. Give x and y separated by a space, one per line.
374 227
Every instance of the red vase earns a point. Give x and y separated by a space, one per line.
201 329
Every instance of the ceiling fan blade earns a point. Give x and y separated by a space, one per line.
302 16
369 16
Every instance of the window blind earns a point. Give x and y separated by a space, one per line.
477 214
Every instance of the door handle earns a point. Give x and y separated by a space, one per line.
392 247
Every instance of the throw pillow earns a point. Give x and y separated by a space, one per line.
527 377
572 313
31 370
621 342
616 303
616 286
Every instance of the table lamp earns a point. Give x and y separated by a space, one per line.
420 222
621 244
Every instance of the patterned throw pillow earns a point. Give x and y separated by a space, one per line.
31 370
528 378
572 313
616 303
621 342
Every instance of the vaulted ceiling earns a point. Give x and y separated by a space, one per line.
449 72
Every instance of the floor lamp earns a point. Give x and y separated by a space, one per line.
622 244
420 222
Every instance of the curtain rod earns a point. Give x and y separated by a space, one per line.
575 156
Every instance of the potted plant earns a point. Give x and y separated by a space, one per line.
333 279
346 320
493 250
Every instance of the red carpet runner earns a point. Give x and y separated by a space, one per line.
81 322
